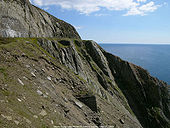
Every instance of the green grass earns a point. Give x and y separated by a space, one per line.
4 72
5 93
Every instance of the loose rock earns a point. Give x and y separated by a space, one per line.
122 121
39 93
19 100
79 104
20 82
32 73
49 78
7 117
35 116
43 113
16 122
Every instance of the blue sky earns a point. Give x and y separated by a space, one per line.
114 21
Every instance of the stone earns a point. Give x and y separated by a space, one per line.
35 116
43 113
27 120
45 96
25 78
49 78
43 70
39 93
32 73
27 66
20 82
9 118
52 122
79 104
122 121
65 99
19 100
16 122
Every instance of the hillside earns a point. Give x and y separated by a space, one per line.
60 80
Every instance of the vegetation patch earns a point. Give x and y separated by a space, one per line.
4 72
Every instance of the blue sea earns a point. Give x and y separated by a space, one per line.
153 57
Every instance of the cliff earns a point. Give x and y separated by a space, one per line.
66 81
21 19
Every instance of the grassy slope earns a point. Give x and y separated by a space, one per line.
21 105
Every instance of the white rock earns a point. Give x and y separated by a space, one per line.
25 78
65 99
35 116
20 82
27 66
122 121
19 100
12 33
43 70
7 117
32 73
79 104
16 122
27 120
43 113
49 78
39 92
52 122
45 96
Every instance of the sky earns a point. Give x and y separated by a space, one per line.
114 21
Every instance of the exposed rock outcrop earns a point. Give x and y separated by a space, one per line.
21 19
147 96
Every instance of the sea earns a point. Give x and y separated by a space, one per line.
153 57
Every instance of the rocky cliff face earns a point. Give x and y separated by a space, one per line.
50 82
21 19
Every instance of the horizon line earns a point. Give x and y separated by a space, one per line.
139 43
